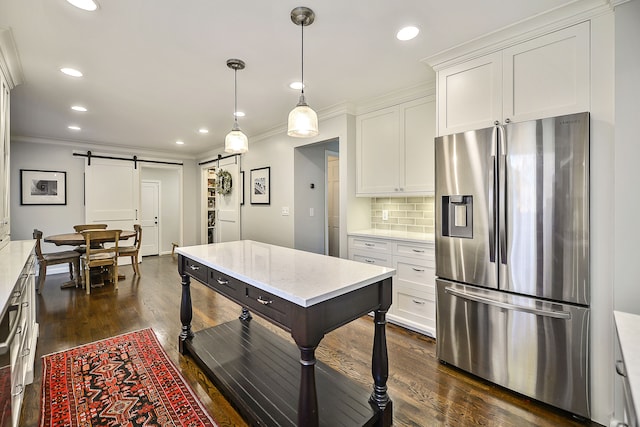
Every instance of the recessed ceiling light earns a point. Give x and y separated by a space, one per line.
407 33
203 130
89 5
74 127
239 114
296 85
78 108
71 72
180 142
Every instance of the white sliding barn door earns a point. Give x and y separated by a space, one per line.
112 195
228 215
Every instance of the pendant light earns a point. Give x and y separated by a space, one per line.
303 121
236 142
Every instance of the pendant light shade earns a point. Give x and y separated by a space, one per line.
303 121
236 142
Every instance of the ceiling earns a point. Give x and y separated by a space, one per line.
155 70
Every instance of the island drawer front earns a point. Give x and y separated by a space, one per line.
195 269
267 304
370 244
225 284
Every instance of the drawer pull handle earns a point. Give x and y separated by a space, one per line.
194 267
369 245
264 301
20 389
420 270
620 368
370 261
420 251
222 281
415 301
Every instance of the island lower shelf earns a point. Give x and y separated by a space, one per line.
259 372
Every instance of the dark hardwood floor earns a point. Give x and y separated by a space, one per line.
424 392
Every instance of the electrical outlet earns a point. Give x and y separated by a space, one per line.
385 215
285 210
311 212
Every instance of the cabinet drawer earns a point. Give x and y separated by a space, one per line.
271 306
373 245
195 269
416 251
382 260
224 284
423 273
415 305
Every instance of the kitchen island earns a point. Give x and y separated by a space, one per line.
269 380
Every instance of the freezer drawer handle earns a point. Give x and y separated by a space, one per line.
488 301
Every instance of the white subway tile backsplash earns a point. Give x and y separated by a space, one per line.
405 214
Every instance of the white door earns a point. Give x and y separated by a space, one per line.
150 217
112 195
228 205
333 204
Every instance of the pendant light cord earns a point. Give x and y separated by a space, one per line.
302 55
235 95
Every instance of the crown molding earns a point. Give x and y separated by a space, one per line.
420 90
519 32
10 64
83 147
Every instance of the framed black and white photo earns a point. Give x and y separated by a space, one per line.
38 187
241 187
260 186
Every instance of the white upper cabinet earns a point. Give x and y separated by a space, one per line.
542 77
394 150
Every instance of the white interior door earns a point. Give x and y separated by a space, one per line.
333 204
228 214
112 195
150 217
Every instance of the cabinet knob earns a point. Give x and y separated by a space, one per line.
507 120
496 123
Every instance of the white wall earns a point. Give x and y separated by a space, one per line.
627 158
170 204
61 219
309 168
49 219
265 222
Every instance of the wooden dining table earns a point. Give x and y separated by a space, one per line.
75 239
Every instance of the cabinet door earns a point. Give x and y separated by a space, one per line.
377 152
470 95
4 161
547 76
417 153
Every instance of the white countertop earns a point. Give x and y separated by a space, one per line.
628 326
303 278
13 257
395 235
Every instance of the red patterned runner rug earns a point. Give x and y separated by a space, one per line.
126 380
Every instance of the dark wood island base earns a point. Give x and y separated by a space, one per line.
271 381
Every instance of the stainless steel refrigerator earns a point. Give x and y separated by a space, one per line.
512 257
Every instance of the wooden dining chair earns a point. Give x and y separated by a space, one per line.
82 227
100 256
45 259
133 251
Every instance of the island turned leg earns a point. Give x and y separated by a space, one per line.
246 314
308 398
380 371
186 313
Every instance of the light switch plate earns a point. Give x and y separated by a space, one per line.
285 210
385 215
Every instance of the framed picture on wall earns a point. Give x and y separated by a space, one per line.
241 187
260 186
38 187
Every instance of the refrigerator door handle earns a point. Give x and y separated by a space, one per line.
483 300
492 210
502 185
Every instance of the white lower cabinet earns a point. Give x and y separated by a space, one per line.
414 301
